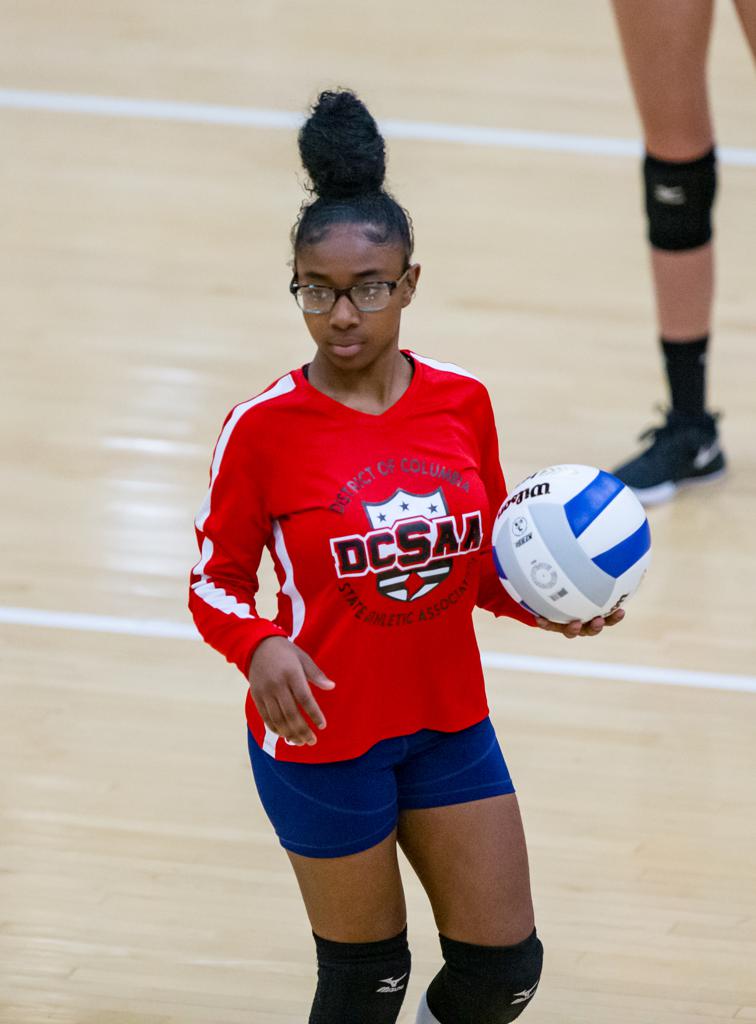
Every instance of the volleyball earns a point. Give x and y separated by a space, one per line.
571 542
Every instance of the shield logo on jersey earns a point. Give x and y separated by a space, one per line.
409 585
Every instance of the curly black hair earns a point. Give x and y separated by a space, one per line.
344 155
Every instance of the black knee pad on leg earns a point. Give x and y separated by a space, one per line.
361 982
679 201
485 984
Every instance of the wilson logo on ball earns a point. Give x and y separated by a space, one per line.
528 492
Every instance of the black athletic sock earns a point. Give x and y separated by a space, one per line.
685 363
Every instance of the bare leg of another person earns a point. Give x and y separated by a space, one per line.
747 13
666 47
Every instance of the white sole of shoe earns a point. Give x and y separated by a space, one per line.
649 496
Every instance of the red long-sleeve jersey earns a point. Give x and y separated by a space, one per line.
379 529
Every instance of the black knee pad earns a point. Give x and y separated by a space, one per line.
485 984
361 982
679 201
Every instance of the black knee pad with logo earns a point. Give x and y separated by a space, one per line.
485 984
679 201
361 982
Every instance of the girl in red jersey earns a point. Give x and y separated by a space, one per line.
371 475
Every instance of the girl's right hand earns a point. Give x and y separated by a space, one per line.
280 674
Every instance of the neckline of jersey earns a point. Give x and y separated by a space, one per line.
334 403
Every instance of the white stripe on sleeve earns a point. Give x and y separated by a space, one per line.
204 588
289 586
284 385
445 367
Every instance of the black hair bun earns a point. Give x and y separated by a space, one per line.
341 148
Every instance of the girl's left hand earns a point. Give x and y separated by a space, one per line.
577 628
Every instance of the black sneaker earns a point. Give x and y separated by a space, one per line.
684 451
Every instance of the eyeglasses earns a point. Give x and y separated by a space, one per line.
371 297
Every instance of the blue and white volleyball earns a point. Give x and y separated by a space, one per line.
571 542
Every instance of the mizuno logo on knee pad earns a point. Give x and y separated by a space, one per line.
527 993
391 984
672 195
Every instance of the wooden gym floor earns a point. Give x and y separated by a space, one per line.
143 291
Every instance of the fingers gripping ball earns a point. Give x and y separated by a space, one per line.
571 542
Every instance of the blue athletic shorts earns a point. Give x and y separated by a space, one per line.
343 807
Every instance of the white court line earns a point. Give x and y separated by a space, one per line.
97 623
255 117
624 673
491 659
152 446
